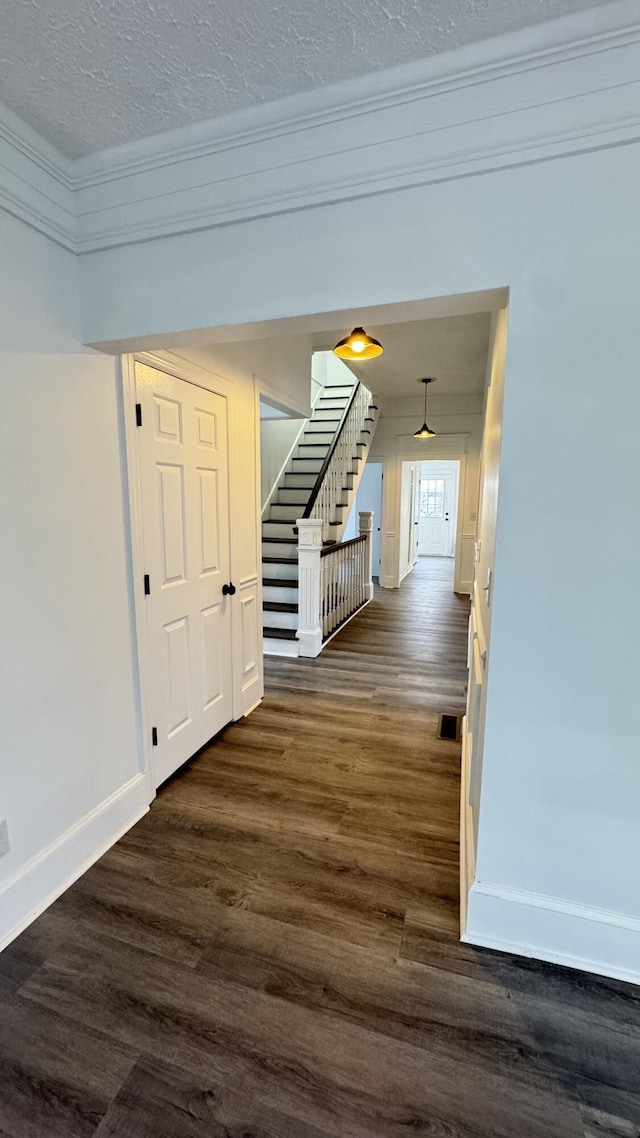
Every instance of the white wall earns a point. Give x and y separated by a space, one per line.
559 812
70 768
368 497
277 437
293 363
281 367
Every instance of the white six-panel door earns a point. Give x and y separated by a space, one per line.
184 481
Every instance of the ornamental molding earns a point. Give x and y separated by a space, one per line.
564 87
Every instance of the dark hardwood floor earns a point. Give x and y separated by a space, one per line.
272 952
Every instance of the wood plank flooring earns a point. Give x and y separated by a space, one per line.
272 952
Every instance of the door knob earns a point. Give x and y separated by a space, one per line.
228 590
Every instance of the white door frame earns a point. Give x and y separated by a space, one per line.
453 446
199 377
456 492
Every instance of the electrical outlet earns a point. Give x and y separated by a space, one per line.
4 837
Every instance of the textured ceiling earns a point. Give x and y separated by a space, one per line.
453 349
88 74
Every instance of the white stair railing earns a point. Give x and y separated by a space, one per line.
334 581
341 462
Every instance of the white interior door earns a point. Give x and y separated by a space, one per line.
184 475
437 528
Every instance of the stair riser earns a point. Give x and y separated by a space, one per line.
338 389
278 529
280 594
330 426
281 512
299 479
281 571
309 450
306 465
322 413
279 619
323 437
294 499
276 549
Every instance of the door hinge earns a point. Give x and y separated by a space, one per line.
138 414
154 736
147 585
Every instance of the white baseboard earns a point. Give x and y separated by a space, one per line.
37 884
550 928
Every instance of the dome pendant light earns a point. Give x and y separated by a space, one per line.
425 432
358 346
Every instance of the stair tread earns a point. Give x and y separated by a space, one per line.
280 582
281 540
279 606
282 561
279 633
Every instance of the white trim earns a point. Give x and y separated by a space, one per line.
467 846
549 928
451 115
551 42
36 183
38 883
133 499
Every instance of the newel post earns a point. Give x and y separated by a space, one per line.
309 632
366 527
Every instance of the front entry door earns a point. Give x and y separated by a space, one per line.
437 524
184 476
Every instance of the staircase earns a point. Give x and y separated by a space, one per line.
299 483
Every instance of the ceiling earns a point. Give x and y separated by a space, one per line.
453 349
88 74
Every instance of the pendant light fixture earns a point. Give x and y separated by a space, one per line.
425 432
358 346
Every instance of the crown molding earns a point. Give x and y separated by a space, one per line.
36 183
582 34
561 88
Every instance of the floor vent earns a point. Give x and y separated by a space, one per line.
449 727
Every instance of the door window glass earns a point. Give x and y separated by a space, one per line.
432 498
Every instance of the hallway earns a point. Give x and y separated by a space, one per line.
272 951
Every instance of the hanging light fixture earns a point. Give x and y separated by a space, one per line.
358 346
425 432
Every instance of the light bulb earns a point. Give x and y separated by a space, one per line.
358 345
